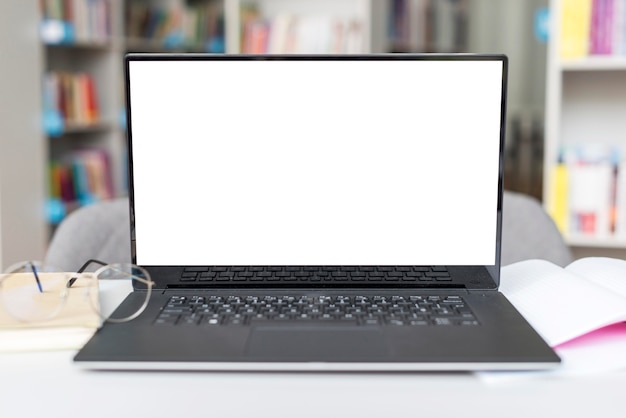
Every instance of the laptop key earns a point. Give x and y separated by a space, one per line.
437 274
418 322
196 268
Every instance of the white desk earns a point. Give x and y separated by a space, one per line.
46 385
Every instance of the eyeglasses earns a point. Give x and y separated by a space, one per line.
31 291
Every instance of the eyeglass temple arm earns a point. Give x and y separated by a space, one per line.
82 269
32 266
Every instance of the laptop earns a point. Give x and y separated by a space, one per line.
332 213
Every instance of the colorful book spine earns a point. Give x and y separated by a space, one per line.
72 96
71 21
197 25
592 27
559 208
80 178
601 35
588 194
289 34
576 24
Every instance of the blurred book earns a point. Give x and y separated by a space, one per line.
79 178
74 324
428 25
75 21
592 27
288 33
73 97
196 25
588 196
575 28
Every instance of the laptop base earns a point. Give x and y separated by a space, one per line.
505 342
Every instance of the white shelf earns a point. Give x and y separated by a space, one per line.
155 45
80 128
596 242
87 45
594 63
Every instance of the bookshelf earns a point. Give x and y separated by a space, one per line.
82 44
83 138
86 43
585 137
84 40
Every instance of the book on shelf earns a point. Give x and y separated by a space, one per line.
592 27
73 97
601 31
79 178
589 192
195 25
427 25
75 21
74 324
287 33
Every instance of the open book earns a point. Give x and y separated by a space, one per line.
565 303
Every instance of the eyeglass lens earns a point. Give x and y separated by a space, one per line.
114 282
32 297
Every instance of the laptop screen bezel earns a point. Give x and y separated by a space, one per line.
469 277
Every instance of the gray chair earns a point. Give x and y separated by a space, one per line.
98 231
529 232
102 231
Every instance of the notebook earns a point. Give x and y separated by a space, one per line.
317 213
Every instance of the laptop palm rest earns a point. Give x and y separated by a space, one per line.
316 343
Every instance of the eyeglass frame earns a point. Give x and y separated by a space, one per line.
75 275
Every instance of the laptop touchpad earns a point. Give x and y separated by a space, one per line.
333 343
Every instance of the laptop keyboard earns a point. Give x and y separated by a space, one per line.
359 310
315 274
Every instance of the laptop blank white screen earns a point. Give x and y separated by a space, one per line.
245 162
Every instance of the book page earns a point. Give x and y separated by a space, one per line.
559 304
606 272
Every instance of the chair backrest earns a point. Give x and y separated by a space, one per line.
102 231
529 232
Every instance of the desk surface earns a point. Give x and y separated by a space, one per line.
48 385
